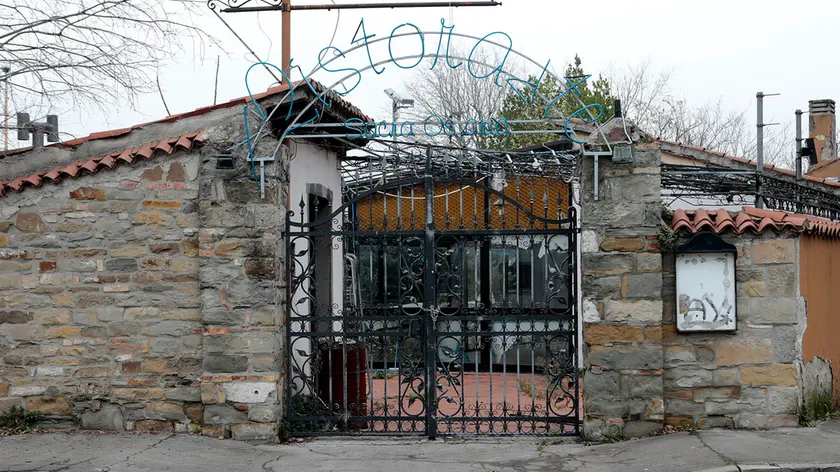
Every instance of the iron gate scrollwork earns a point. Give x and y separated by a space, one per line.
435 304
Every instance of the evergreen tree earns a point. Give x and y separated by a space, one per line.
515 108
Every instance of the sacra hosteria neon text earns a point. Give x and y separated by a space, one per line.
337 63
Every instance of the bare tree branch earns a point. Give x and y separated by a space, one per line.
648 101
92 52
455 94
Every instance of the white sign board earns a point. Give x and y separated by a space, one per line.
706 291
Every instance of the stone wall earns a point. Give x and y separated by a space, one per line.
622 297
745 379
100 310
148 297
241 266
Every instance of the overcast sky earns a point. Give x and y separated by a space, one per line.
727 49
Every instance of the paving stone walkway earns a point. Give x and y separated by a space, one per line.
725 450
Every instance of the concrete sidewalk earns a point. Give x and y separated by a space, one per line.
677 452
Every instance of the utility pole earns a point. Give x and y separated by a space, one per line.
286 8
286 21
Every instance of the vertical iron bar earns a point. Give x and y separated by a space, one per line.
286 322
429 300
573 271
484 268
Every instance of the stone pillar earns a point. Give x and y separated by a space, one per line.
241 254
622 296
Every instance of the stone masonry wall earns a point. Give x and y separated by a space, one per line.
100 319
622 297
241 265
745 379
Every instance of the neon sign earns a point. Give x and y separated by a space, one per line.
434 125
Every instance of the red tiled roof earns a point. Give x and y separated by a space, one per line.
751 219
340 102
185 142
781 170
820 165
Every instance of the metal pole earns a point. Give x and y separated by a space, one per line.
286 21
285 8
798 144
429 301
759 146
394 112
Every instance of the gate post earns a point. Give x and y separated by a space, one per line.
622 296
240 269
429 300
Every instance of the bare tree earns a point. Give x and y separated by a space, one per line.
648 101
641 89
90 51
454 94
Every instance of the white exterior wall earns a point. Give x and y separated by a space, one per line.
312 165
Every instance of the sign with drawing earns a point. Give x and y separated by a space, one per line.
706 284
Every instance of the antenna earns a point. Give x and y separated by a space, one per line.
25 127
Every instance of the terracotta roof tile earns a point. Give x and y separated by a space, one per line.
338 102
185 142
780 170
751 219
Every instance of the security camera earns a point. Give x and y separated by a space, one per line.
399 100
392 95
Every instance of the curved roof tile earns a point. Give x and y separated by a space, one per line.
185 142
751 219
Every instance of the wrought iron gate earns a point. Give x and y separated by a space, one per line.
434 304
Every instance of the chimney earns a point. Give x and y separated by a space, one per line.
823 129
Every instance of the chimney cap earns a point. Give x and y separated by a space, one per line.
825 105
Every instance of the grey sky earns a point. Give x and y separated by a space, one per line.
717 49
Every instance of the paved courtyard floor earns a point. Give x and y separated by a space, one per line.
698 451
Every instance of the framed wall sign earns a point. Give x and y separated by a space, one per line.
706 284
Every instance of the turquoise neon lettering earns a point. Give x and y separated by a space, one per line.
358 74
365 38
498 69
505 130
448 45
535 86
426 123
306 80
466 131
449 127
357 131
410 128
288 81
369 134
422 46
577 114
573 86
379 127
